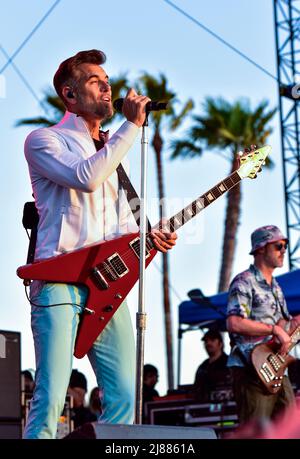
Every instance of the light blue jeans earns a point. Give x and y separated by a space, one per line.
112 358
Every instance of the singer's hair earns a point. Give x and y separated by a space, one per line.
66 73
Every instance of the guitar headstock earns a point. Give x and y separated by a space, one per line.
251 162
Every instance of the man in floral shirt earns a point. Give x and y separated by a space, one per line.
257 313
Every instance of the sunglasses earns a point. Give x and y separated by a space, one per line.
279 246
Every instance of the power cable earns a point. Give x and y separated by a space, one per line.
29 36
226 43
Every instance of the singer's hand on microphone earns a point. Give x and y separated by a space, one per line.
134 107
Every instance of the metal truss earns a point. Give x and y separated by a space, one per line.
287 31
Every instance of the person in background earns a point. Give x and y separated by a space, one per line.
78 389
257 313
213 374
27 381
95 402
150 379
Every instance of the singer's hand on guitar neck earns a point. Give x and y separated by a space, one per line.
134 107
163 240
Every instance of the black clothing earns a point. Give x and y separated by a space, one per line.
211 377
82 415
148 395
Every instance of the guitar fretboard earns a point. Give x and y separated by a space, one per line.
295 336
200 203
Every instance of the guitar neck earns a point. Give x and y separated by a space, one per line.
295 336
193 209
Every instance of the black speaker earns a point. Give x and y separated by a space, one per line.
10 377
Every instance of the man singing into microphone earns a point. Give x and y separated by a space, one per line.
76 188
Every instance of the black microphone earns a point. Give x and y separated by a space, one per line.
152 106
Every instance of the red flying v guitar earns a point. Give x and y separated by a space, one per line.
109 269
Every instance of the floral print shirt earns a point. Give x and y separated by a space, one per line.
251 297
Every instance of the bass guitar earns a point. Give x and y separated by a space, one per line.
109 269
270 365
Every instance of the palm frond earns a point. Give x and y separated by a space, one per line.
228 126
184 149
178 119
39 121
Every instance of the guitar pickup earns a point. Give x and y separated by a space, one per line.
135 245
115 266
266 372
99 279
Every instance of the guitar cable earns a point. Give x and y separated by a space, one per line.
82 308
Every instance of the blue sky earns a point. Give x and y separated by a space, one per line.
143 36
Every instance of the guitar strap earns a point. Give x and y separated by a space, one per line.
131 195
284 315
124 182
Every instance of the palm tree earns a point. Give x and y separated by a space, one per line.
157 89
55 108
227 127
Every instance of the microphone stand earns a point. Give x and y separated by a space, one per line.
141 314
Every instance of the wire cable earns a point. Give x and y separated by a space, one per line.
26 83
226 43
82 308
21 46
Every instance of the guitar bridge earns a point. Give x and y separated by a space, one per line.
115 267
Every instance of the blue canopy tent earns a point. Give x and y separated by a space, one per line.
201 311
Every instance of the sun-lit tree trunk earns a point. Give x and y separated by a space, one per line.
157 143
233 210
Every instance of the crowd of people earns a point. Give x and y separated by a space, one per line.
83 412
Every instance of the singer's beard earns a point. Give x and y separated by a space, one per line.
104 111
99 110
